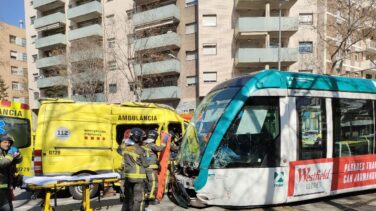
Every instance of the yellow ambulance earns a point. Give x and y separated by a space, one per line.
15 120
76 138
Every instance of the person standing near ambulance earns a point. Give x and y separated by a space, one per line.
134 172
9 157
151 153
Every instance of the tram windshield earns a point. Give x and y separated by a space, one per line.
202 125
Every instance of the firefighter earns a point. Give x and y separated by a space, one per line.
151 152
9 157
134 172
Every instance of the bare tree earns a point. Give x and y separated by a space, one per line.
86 70
350 26
3 89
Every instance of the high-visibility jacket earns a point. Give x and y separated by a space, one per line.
151 151
134 163
7 168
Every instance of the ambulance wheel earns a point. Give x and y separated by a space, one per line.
76 191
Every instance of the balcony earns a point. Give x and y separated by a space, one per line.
247 56
52 81
44 5
88 31
50 62
85 11
370 47
260 4
163 67
164 41
99 97
169 13
161 93
50 41
247 25
52 21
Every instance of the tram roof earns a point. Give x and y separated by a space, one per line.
308 81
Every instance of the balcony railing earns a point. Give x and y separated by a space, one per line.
47 4
52 81
169 40
56 39
260 4
86 11
169 12
266 24
162 67
50 21
371 46
88 31
161 93
52 61
98 97
265 55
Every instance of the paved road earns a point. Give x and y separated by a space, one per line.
364 201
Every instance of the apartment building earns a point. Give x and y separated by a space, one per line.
165 51
13 65
134 50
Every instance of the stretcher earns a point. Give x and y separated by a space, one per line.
52 184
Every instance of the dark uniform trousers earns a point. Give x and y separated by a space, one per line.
5 200
134 196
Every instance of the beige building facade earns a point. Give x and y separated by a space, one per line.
13 62
146 50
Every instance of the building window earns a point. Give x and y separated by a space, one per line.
209 20
130 38
32 19
112 88
16 86
16 71
24 57
209 49
305 47
189 3
110 19
311 127
13 54
36 76
190 28
305 18
36 95
31 3
111 42
210 77
190 55
35 57
12 39
33 38
111 65
191 80
306 71
23 42
353 127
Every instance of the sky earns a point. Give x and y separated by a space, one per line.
11 11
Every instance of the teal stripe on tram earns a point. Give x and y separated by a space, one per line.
275 79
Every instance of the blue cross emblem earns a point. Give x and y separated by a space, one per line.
2 130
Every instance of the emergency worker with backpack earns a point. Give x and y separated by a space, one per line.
134 172
151 153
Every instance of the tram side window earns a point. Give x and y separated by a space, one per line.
253 138
353 127
311 127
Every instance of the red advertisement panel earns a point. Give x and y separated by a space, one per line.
315 176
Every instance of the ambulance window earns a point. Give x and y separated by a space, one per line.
18 129
176 129
120 129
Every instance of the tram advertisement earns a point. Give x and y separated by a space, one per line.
325 175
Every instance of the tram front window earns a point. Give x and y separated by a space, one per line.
202 125
253 138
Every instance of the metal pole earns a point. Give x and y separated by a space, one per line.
279 36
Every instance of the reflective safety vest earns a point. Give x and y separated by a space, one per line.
151 151
7 168
134 163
